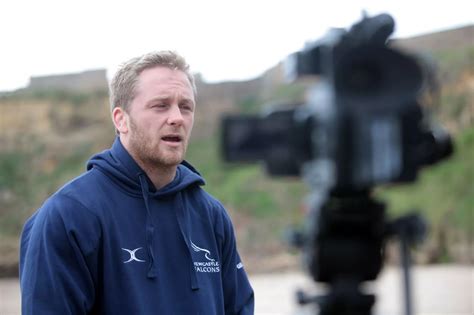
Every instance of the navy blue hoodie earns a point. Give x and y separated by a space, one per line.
109 243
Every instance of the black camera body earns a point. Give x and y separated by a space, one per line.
361 124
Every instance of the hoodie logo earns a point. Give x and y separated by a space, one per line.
209 266
132 255
199 249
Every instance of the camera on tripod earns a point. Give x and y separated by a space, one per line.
362 125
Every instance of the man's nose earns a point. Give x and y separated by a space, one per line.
175 116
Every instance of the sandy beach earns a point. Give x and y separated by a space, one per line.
437 290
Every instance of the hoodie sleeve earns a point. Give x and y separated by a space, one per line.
238 293
58 247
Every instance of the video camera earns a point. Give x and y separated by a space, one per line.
362 125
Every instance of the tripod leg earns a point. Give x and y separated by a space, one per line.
406 265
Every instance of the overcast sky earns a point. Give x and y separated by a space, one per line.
223 40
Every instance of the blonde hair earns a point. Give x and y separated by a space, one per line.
123 84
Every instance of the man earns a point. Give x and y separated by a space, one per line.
136 233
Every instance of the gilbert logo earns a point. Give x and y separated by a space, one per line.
208 266
132 255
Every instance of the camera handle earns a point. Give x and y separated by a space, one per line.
344 247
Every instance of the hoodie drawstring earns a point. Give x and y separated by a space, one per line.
150 228
184 226
183 223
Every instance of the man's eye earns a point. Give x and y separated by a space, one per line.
186 107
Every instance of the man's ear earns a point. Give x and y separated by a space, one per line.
120 119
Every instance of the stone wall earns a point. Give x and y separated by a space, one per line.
86 81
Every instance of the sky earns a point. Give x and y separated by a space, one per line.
222 40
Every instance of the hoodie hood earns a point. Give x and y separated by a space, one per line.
122 168
119 165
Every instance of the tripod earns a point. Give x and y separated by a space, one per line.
345 246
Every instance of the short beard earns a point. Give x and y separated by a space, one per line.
148 154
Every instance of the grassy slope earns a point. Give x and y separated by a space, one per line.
261 207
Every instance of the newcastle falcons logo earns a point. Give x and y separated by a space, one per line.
132 255
209 266
199 249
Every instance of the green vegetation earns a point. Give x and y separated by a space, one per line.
26 181
443 193
249 105
245 188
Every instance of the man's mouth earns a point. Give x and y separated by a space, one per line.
172 138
